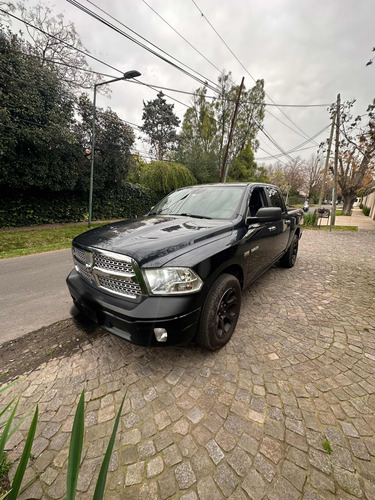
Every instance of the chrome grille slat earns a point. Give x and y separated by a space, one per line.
123 287
79 255
107 272
81 268
111 264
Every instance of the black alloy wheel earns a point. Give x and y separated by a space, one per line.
227 312
289 258
220 313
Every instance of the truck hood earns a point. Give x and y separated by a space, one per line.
155 240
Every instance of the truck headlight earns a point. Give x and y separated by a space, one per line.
172 281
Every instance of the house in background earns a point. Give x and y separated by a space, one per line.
369 201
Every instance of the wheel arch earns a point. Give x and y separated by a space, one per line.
235 270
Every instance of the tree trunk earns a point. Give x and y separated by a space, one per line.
349 199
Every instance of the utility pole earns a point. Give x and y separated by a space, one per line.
327 161
223 172
334 190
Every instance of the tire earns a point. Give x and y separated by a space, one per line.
220 313
290 256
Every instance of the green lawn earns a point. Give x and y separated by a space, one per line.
16 243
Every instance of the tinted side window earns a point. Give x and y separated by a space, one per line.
275 198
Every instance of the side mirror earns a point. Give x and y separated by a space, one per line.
268 214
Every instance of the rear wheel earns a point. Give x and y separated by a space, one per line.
290 256
220 313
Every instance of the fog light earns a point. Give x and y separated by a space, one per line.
161 334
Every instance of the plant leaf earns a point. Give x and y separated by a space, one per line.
4 410
100 485
75 449
16 427
24 458
9 385
4 436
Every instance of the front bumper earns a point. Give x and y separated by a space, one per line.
135 320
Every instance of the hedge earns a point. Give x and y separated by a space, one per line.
30 208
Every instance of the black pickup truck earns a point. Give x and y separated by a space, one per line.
177 273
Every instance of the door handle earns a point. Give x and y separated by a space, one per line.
272 228
287 221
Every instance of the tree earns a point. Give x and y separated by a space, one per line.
245 169
356 154
198 146
372 59
113 140
57 42
277 177
249 117
6 7
313 177
295 174
206 127
159 124
37 146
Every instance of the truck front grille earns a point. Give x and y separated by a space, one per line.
108 271
121 286
111 264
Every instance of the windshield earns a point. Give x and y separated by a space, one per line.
208 202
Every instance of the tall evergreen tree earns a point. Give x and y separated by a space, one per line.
159 124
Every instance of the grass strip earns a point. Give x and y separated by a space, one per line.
17 243
335 228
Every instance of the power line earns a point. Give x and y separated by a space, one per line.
272 156
281 155
87 54
81 51
233 100
274 142
298 148
182 37
86 10
238 60
263 130
73 2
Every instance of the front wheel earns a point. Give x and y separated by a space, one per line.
290 256
220 313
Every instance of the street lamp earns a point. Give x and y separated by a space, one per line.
126 76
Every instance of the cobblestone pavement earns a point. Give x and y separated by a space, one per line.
284 411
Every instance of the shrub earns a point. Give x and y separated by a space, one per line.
366 210
309 219
162 177
29 208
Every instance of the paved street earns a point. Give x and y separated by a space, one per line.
33 292
284 411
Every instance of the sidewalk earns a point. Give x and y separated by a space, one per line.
356 219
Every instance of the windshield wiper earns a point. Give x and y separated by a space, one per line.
195 216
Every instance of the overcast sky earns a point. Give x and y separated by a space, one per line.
307 51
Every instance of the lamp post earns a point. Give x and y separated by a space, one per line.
126 76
